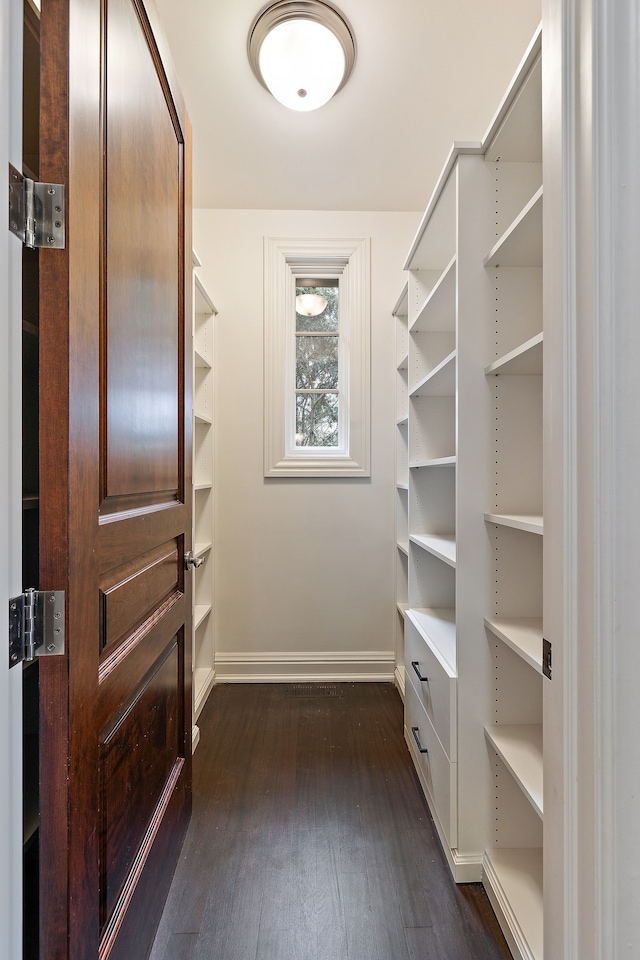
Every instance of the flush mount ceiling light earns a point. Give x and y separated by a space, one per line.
302 51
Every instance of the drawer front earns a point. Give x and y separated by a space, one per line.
437 774
437 693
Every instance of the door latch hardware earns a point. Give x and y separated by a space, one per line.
36 211
546 658
36 625
191 560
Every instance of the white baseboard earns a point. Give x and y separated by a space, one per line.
507 918
465 868
204 679
305 667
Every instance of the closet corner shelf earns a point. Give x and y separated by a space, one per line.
402 486
402 608
439 382
401 307
403 421
437 627
522 634
521 244
514 876
525 360
519 746
403 547
200 614
439 309
439 462
530 523
202 418
441 546
404 363
202 486
201 361
515 133
204 304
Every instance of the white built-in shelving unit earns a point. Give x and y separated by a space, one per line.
204 313
474 511
402 481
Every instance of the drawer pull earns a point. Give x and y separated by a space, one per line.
416 666
415 731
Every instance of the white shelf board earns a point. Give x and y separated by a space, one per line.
200 613
439 462
204 304
519 746
202 418
522 634
201 548
438 312
515 133
521 243
515 881
531 523
525 360
402 608
402 486
441 546
201 361
439 382
403 546
403 421
202 486
404 363
437 626
401 308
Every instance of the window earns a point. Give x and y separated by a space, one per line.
317 317
319 361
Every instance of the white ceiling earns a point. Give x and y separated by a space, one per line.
426 73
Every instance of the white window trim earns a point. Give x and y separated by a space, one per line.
284 259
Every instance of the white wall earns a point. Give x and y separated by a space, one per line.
304 568
10 494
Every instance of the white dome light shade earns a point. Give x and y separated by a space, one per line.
302 51
310 304
302 64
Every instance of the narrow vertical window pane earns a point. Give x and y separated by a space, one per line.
316 363
317 420
325 321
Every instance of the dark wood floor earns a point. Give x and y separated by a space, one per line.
311 839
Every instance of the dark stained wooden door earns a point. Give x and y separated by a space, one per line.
115 480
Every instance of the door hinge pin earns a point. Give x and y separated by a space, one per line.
30 623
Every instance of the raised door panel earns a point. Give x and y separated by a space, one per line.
140 407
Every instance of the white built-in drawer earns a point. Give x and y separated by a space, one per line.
437 692
437 775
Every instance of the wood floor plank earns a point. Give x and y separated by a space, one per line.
180 947
360 927
311 839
